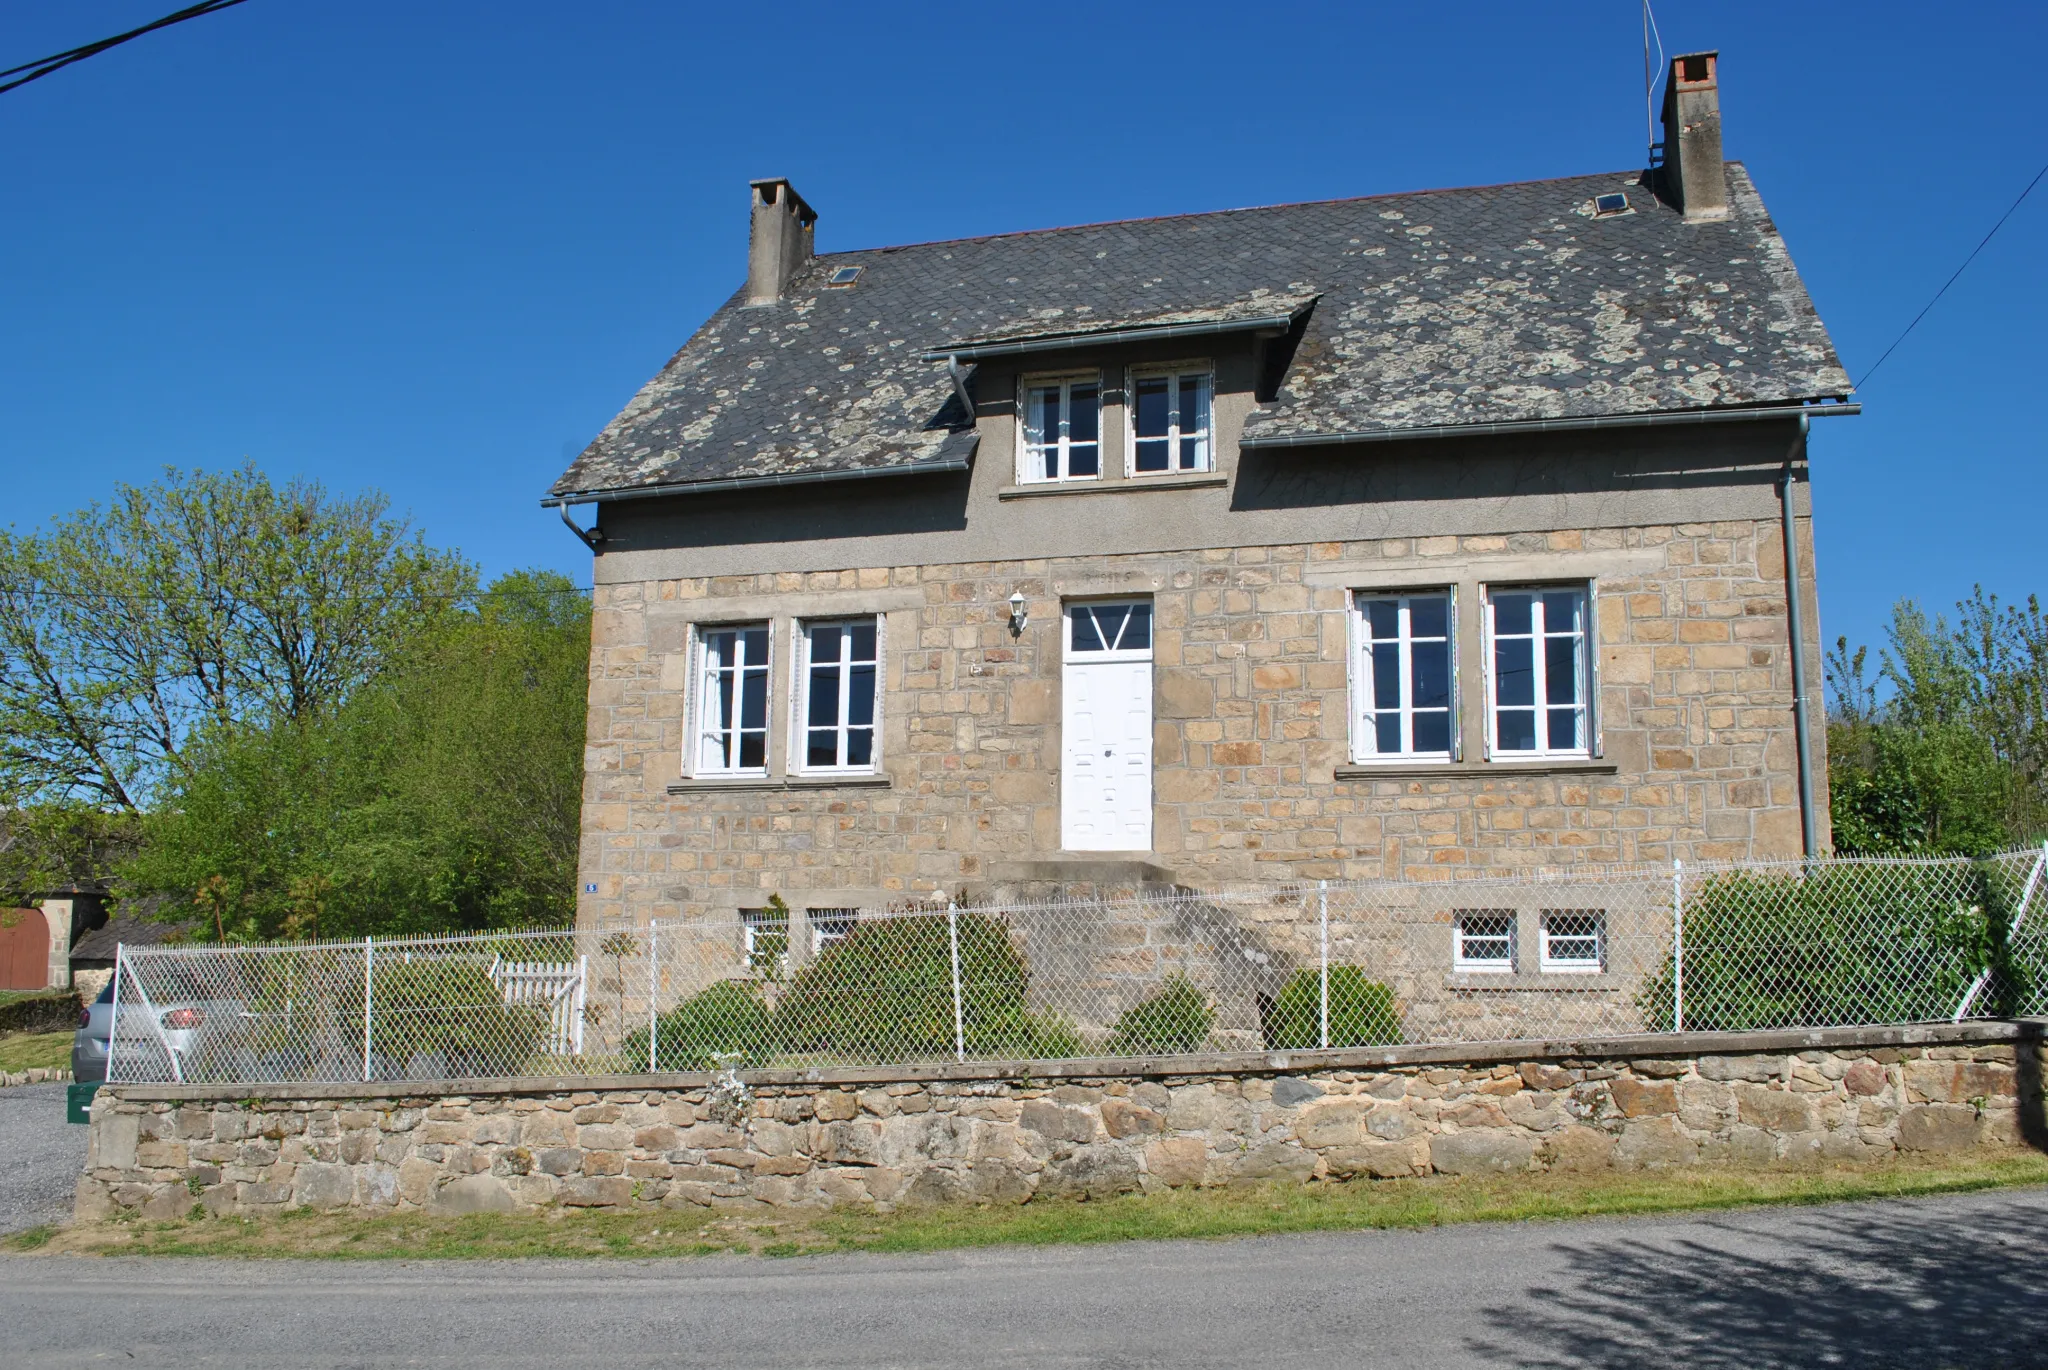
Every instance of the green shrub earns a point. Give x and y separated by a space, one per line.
1362 1011
1844 945
885 993
728 1019
1172 1022
452 1008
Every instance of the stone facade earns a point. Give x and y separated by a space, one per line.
1252 779
1008 1134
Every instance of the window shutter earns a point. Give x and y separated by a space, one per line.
1593 666
1485 608
1457 685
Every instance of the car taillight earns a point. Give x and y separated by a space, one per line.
85 1017
183 1018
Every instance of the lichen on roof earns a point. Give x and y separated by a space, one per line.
1490 304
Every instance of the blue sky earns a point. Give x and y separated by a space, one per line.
433 248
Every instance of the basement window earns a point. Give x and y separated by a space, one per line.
1484 941
1574 941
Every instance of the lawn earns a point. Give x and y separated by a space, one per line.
1263 1210
22 1050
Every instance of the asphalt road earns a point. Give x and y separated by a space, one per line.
40 1157
1955 1282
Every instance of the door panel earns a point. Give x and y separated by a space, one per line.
1106 785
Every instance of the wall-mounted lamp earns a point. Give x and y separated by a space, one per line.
1019 614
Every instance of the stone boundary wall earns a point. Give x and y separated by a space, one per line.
1010 1132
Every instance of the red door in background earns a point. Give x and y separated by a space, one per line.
24 949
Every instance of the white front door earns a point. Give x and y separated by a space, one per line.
1106 728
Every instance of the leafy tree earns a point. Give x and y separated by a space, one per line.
1954 756
198 603
443 794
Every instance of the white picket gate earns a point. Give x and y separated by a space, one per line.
557 986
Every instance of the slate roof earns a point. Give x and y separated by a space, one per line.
1490 304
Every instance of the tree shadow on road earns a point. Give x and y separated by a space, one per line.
1862 1288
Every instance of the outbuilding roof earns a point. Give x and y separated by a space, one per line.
1491 304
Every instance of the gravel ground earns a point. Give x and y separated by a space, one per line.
40 1156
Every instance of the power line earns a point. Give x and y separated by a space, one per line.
43 66
1952 279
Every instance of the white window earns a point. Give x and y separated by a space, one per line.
1402 678
1574 941
838 689
1539 672
1485 941
1169 421
1062 424
829 926
732 700
767 940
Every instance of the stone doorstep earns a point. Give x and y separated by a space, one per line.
1637 1046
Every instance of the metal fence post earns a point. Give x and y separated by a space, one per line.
959 1019
653 961
1323 907
1677 945
114 1021
369 971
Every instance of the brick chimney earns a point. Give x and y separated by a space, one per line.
781 242
1693 179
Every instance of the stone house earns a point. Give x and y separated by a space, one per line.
1360 538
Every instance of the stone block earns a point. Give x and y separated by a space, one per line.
1274 1161
1537 1075
166 1202
1753 1068
604 1137
1866 1078
1056 1122
416 1180
114 1142
1124 1118
836 1106
1481 1151
1642 1099
161 1155
1379 1160
1177 1161
782 1165
1577 1149
1333 1122
1776 1110
591 1191
851 1143
475 1194
1654 1143
1098 1171
1937 1127
319 1185
1291 1091
559 1160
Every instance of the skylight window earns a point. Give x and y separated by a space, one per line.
1606 206
846 275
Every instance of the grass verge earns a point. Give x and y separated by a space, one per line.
22 1050
1261 1210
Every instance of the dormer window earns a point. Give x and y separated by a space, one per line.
1170 420
1062 437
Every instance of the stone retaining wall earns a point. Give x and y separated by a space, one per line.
1009 1133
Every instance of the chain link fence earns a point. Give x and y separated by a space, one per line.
1172 971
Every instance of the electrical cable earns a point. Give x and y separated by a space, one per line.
43 66
1953 279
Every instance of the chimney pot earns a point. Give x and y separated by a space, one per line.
1693 178
780 243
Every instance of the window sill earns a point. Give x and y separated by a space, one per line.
1192 480
1554 982
1466 770
708 784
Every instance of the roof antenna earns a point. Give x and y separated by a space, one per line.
1650 84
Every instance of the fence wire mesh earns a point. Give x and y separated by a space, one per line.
1714 947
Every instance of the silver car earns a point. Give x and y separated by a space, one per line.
187 1035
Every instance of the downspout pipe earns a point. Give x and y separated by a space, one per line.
589 537
1796 623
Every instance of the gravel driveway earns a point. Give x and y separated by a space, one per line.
40 1156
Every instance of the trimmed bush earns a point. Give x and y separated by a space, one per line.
1173 1022
885 993
1844 945
728 1019
1362 1011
